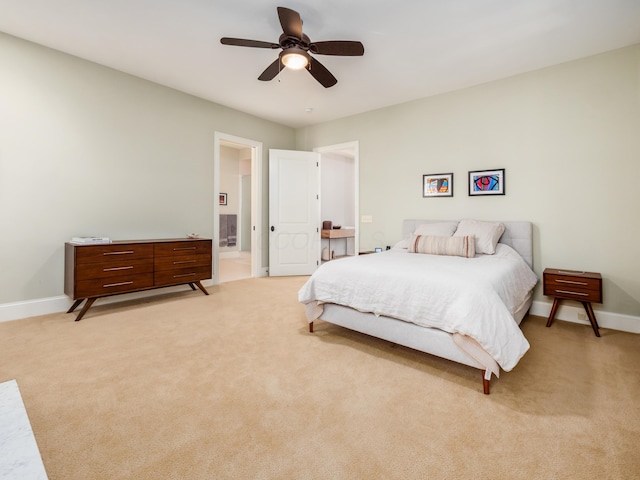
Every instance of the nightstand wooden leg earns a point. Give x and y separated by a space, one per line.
554 308
592 317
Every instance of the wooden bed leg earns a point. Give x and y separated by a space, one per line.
310 327
485 384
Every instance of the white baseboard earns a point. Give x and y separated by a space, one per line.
44 306
566 312
31 308
569 311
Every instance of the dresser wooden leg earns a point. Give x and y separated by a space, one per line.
86 307
554 308
201 287
75 305
592 317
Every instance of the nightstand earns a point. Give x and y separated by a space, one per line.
584 287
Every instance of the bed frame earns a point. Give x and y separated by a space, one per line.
518 235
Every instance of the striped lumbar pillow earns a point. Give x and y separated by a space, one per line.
456 246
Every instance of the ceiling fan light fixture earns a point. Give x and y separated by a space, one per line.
295 58
296 49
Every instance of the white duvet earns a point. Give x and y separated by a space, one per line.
470 296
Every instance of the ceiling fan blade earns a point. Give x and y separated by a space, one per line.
271 71
290 21
241 42
346 48
321 74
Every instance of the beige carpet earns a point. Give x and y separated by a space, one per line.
232 386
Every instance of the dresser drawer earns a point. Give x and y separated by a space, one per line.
98 287
186 247
182 275
581 286
112 252
182 261
116 267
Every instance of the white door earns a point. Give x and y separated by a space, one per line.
294 212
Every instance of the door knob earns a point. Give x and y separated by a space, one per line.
273 228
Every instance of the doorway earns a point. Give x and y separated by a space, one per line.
340 191
237 208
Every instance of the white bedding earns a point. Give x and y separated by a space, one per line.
470 296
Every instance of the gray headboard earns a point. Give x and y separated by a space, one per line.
518 235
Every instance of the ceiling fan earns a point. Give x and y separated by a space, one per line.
296 47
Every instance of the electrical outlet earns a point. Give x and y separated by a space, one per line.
366 219
582 316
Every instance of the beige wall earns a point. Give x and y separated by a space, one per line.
569 139
86 150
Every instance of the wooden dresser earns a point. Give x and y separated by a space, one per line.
94 271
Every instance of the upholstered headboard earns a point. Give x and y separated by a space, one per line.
518 235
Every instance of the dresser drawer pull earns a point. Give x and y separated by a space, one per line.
184 261
117 268
184 248
572 282
562 272
124 252
185 275
573 293
117 284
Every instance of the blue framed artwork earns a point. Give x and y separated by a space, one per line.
486 182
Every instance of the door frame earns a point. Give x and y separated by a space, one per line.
354 146
256 202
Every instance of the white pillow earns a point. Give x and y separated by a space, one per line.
436 229
458 246
487 234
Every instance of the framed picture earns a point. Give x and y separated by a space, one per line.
486 182
437 185
223 199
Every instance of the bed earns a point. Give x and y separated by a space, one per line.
425 294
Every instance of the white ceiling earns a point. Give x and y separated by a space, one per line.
413 48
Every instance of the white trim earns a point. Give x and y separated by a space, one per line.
45 306
31 308
355 146
256 203
569 313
